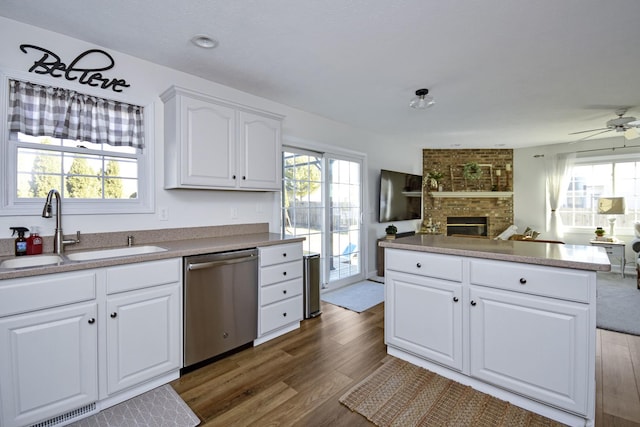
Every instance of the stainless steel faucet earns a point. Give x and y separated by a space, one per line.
58 238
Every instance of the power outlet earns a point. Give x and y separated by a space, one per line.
163 214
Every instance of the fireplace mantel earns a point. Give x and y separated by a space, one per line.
472 194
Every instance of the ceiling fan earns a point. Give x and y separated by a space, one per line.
628 125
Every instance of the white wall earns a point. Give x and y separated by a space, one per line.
190 208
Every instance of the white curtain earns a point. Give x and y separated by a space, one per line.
557 168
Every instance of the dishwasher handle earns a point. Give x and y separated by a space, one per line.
210 264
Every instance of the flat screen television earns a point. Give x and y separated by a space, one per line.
400 196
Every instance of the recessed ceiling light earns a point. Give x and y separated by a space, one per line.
204 41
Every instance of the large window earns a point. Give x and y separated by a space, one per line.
92 150
604 177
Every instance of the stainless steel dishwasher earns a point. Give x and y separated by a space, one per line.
220 303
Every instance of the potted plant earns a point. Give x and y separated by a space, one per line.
391 232
434 178
599 233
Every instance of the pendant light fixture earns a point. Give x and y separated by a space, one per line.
422 100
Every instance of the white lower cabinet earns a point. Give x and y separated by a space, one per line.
280 290
143 335
524 333
48 363
531 344
72 343
425 317
143 319
48 346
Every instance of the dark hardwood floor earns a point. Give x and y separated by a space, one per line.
296 379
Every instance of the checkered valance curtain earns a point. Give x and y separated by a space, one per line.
49 111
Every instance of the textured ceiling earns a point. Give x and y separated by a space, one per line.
512 72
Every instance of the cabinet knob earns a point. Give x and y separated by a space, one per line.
91 321
244 177
284 254
284 292
418 265
473 303
284 273
234 177
455 299
225 335
114 315
284 314
523 280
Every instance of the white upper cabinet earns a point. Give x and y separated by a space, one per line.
215 144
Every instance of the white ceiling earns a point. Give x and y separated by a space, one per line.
512 72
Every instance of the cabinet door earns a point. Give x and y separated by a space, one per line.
259 152
423 316
143 335
531 345
208 148
48 363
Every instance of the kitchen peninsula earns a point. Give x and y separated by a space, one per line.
513 319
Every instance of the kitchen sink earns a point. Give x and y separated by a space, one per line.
31 261
113 253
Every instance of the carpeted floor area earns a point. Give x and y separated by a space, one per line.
401 394
618 303
160 407
358 297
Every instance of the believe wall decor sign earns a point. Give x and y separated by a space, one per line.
50 63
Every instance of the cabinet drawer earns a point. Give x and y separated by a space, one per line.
280 291
142 275
280 314
545 281
445 267
280 253
280 272
36 293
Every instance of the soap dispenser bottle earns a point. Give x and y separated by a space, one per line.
20 242
34 242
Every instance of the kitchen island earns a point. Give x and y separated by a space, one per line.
513 319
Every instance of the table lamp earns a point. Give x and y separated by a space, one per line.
611 206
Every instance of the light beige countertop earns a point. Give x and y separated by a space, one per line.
548 254
204 240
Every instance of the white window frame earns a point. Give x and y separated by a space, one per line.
11 205
626 229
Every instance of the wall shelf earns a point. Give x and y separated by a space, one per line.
471 194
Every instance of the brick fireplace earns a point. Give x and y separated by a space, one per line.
460 200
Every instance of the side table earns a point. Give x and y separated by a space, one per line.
615 252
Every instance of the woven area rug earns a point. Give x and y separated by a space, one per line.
618 303
401 394
358 297
160 407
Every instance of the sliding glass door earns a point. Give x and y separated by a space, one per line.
322 201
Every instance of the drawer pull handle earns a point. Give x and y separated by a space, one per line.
284 314
284 292
418 265
91 321
473 303
455 299
523 280
114 315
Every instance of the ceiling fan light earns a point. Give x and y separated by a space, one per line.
422 100
631 133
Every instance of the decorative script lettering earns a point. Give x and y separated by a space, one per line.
50 63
